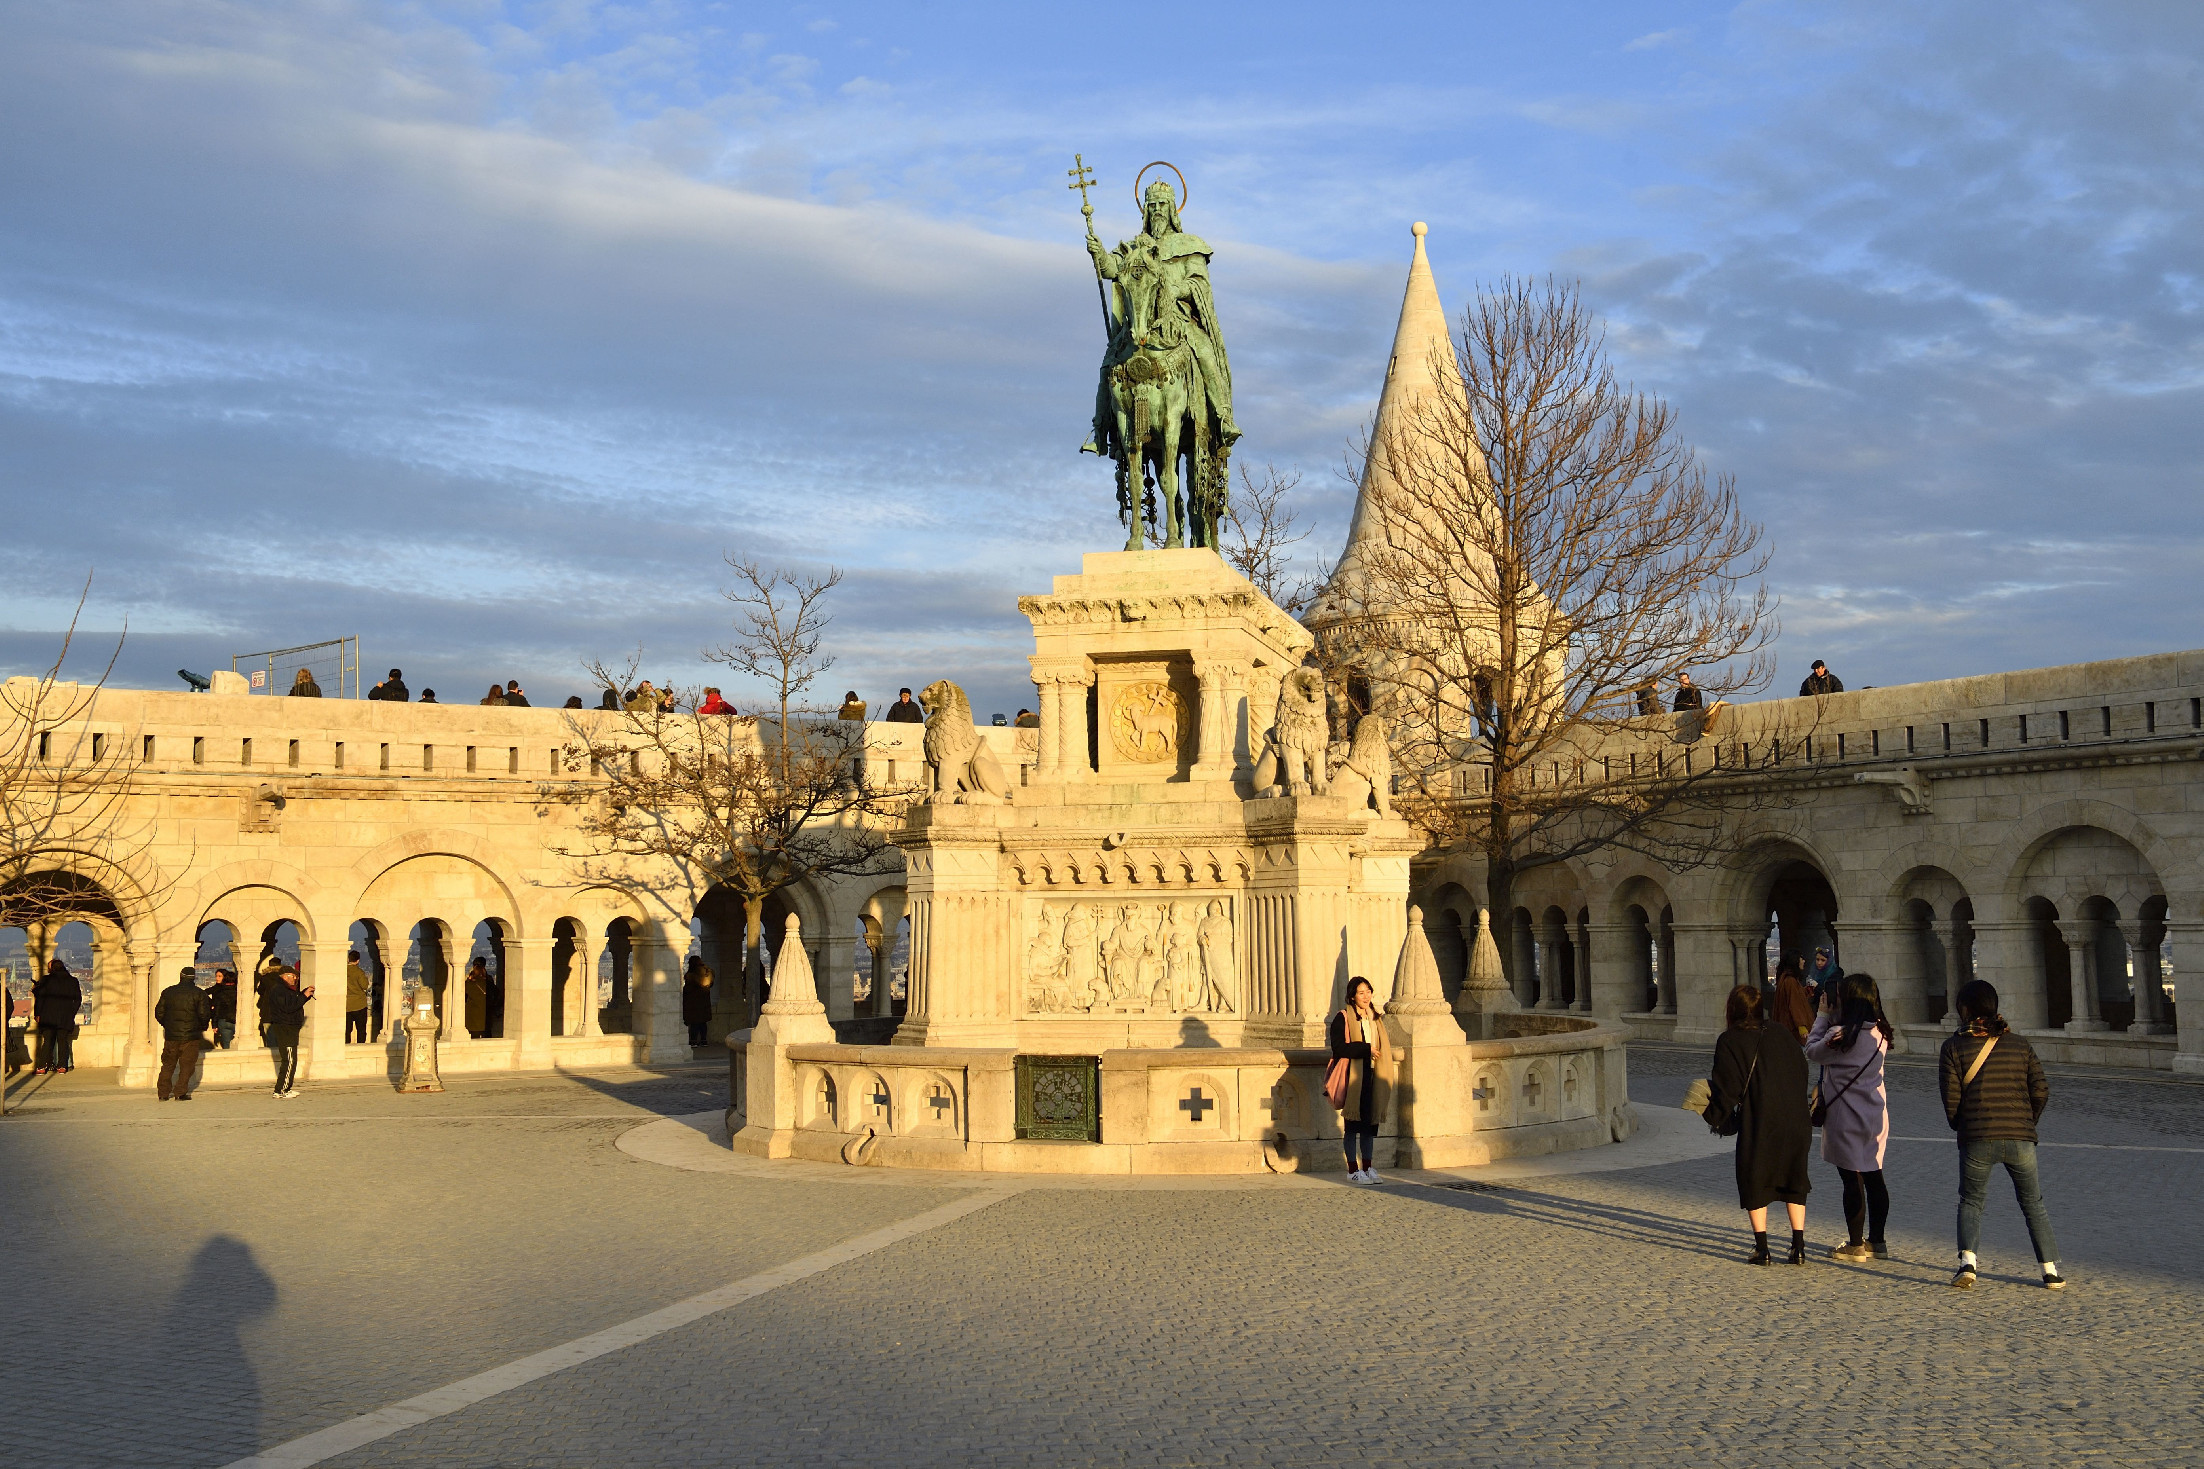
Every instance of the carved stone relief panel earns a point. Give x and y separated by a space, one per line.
1148 723
1112 957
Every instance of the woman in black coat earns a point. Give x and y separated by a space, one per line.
55 1000
1760 1074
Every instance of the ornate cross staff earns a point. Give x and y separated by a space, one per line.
1081 177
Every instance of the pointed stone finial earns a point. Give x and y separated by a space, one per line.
1485 991
795 990
1485 973
1416 987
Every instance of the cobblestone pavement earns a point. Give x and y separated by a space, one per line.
192 1286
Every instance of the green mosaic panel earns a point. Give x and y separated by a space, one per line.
1060 1098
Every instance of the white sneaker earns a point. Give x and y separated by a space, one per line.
1354 1175
292 1092
1370 1175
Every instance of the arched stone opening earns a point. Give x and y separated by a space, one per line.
617 1017
1519 945
428 965
1557 960
1450 922
2151 970
484 981
367 938
1802 913
1928 953
2085 892
2047 989
718 926
883 926
566 988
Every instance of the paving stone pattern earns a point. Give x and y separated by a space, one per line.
1593 1319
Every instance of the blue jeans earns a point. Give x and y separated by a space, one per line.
1976 1159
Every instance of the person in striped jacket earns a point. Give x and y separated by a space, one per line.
1994 1090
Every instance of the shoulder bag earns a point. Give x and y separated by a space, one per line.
1733 1124
1976 1069
1820 1112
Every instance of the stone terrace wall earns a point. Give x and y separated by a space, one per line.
2041 829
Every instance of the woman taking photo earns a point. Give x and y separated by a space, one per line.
1849 1040
1357 1035
1758 1095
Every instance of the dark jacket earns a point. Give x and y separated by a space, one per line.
282 1014
906 711
696 1003
2006 1096
306 690
1820 683
222 1001
392 689
184 1011
1778 1131
56 998
1686 698
514 699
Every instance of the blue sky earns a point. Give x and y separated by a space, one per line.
483 330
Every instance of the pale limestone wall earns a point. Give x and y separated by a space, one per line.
2074 790
252 810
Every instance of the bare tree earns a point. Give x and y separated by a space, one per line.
683 801
1545 555
1263 528
65 791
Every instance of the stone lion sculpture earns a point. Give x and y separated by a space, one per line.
960 769
1293 753
1367 773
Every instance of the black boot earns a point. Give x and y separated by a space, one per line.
1798 1248
1759 1255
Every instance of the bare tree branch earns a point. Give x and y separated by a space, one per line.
673 803
1550 555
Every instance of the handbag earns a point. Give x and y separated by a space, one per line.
1335 1083
1733 1124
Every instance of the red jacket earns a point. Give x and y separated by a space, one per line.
715 705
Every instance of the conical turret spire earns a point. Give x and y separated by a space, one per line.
1422 365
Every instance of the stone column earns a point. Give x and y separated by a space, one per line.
1581 990
321 965
840 949
654 986
2007 951
528 981
1702 951
1549 970
1612 978
148 963
1215 754
1238 723
588 951
1951 935
1063 741
2080 935
1892 953
2150 995
2188 981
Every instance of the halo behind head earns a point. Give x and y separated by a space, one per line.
1140 198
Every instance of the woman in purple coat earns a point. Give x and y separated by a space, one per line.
1850 1038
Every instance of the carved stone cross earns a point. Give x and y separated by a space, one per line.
1531 1090
939 1099
1194 1104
